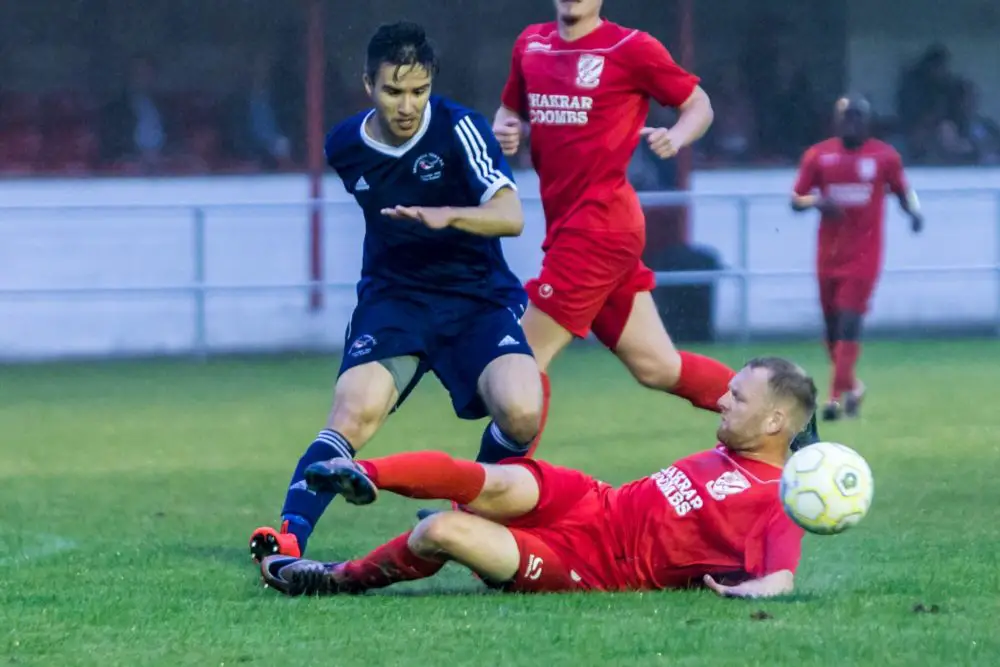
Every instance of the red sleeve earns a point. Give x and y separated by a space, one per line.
513 96
782 544
658 75
808 178
895 177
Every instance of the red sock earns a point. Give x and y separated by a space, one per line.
390 563
546 394
431 475
703 381
831 350
845 359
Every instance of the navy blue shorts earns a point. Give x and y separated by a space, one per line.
452 337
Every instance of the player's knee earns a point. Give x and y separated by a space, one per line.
520 419
656 371
438 534
356 419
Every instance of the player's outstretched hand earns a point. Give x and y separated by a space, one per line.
508 134
779 583
660 141
435 218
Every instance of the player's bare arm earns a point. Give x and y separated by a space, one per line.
508 129
825 206
910 203
772 585
498 217
696 115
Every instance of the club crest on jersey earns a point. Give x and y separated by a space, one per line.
867 168
728 484
428 167
588 70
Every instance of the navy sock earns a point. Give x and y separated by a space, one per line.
497 445
303 507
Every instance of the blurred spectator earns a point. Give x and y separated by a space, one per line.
253 129
732 137
791 120
982 133
925 98
133 127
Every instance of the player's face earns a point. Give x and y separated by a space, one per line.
747 411
852 125
572 11
400 94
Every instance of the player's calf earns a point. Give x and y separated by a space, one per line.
363 397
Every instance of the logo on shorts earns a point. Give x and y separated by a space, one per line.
362 345
428 167
588 70
729 483
545 290
507 340
534 568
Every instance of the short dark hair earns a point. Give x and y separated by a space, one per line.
401 44
789 381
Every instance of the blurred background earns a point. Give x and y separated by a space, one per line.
155 161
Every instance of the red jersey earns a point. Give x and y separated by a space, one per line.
586 101
714 511
851 246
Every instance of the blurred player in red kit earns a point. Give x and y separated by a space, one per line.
713 518
581 87
846 178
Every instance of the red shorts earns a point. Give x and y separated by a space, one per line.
842 293
589 280
566 543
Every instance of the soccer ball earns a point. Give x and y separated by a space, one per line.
826 488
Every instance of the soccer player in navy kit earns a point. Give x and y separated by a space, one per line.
435 293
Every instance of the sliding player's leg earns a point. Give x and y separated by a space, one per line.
527 492
380 366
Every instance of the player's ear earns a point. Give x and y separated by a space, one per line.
369 84
776 422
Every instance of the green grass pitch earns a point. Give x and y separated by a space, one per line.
129 490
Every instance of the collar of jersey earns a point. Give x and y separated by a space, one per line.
395 151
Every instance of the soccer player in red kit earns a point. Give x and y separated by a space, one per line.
713 518
583 85
846 178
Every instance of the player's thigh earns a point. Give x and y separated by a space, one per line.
854 294
644 345
510 491
579 271
546 337
383 348
461 361
483 546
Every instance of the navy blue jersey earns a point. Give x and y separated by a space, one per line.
453 160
